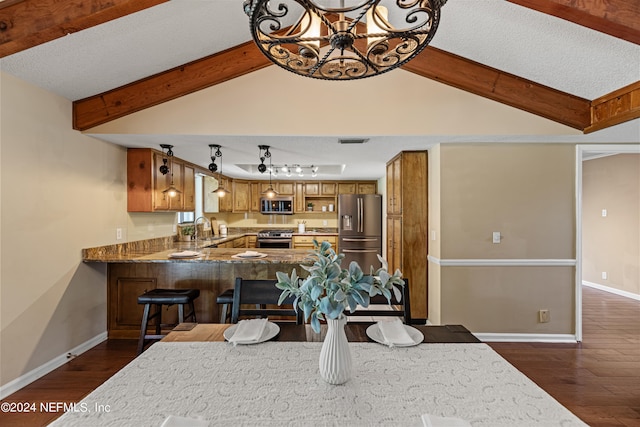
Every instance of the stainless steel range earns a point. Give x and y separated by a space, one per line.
274 239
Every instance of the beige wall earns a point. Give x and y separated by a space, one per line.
61 192
246 106
611 244
526 192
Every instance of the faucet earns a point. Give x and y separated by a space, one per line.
195 225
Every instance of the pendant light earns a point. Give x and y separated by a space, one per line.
172 191
221 191
269 192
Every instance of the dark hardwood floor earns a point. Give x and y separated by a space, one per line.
598 380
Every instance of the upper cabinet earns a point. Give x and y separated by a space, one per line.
241 196
145 183
361 187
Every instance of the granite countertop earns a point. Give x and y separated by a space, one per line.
229 256
158 250
208 255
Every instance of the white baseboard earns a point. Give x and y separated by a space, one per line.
26 379
612 290
550 338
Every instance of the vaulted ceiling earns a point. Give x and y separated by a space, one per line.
574 62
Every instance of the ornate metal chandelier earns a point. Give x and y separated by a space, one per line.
342 39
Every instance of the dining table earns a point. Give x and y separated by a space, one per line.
196 377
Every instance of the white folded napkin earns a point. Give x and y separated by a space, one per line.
175 421
248 331
184 254
435 421
394 332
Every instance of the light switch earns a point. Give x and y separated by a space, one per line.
433 234
604 212
496 237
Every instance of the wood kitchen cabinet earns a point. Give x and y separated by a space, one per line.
347 188
311 188
360 187
189 186
255 188
407 224
394 182
328 189
306 241
367 187
283 188
299 205
225 203
122 301
241 195
145 183
286 188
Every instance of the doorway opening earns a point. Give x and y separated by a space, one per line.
583 152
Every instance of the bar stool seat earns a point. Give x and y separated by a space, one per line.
158 298
226 299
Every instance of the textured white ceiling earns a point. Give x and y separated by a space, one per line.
505 36
526 43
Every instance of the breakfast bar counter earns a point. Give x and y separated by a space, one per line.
134 270
208 256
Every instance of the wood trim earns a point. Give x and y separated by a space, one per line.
500 86
618 18
616 107
168 85
28 23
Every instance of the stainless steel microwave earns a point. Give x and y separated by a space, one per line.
277 205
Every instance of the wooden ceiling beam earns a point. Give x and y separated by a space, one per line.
618 18
616 107
168 85
28 23
432 63
500 86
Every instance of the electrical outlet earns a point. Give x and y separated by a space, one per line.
118 233
604 275
544 316
496 237
324 222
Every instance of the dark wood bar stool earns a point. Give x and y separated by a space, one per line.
226 299
158 298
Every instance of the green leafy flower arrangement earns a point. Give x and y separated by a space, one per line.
329 289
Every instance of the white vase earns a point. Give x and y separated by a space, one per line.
335 356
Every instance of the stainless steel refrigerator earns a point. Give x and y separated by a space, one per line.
360 229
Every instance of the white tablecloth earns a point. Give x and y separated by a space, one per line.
277 384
